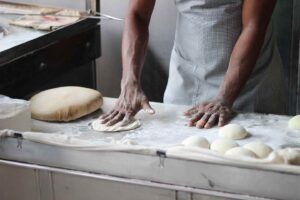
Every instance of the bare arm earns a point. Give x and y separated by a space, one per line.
135 38
134 44
255 17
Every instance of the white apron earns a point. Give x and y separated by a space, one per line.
206 33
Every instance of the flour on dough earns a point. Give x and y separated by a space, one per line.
260 149
196 141
223 145
240 152
233 132
290 156
98 126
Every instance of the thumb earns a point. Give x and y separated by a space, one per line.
147 108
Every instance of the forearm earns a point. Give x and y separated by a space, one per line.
242 63
134 45
135 39
255 18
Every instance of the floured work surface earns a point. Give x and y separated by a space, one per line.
167 128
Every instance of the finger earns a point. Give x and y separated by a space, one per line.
215 109
223 118
195 119
127 119
110 117
191 111
103 116
201 123
147 108
116 119
212 121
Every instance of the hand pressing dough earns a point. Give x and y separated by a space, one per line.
260 149
65 103
233 132
98 126
294 123
240 152
196 141
223 145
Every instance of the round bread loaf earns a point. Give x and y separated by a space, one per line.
65 103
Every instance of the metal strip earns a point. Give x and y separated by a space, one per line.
132 181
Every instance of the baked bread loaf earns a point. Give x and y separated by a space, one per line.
65 103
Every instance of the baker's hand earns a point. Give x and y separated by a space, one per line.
132 99
209 114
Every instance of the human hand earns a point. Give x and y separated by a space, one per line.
209 114
131 100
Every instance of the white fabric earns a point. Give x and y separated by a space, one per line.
14 114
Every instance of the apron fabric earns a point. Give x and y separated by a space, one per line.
206 33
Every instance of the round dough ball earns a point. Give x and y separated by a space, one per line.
196 141
65 103
260 149
233 132
275 158
240 152
222 145
294 123
290 156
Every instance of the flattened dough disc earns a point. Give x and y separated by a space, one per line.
97 126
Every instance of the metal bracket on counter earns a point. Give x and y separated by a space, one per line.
162 156
19 137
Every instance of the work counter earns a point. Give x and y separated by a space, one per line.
104 168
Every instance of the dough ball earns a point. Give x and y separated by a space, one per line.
260 149
275 158
233 132
290 156
294 123
196 141
240 152
65 103
222 145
